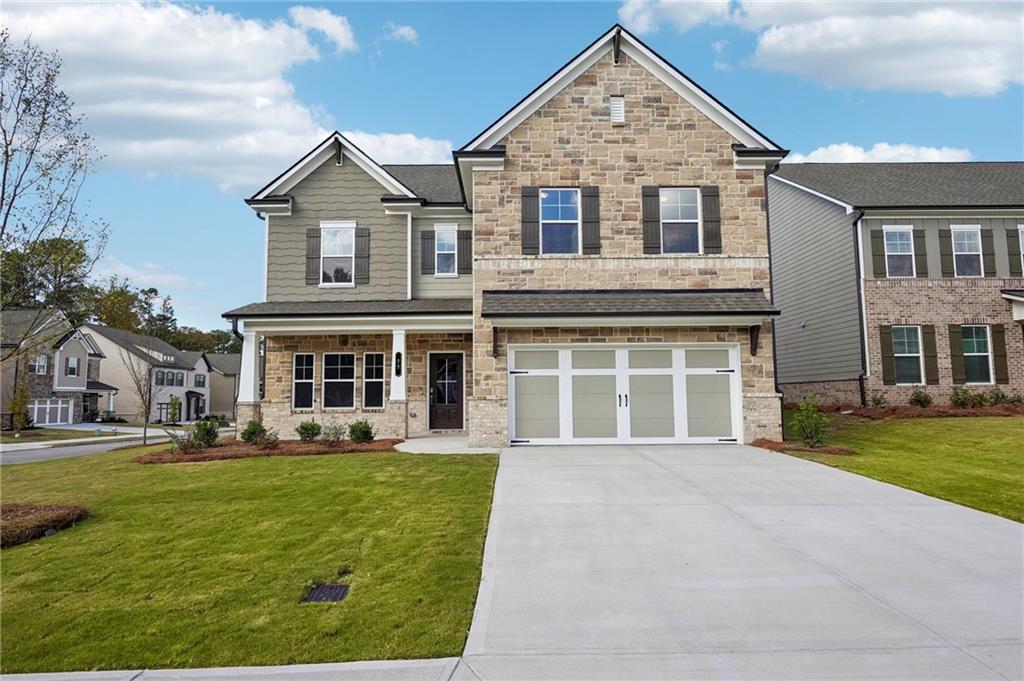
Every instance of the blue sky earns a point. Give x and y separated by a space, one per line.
202 104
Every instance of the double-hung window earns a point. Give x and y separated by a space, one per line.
680 220
906 350
977 357
446 250
200 380
337 253
37 365
899 252
339 380
179 379
160 377
373 380
967 252
559 221
71 367
302 380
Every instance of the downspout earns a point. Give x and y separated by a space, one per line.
858 261
771 276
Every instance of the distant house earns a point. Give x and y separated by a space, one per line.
224 371
60 364
181 373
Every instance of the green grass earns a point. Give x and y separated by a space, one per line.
45 435
190 565
974 461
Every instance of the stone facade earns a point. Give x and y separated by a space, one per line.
940 302
570 142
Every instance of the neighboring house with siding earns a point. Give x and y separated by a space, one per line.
223 383
593 268
897 276
180 373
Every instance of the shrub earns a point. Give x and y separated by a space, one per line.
333 433
174 409
267 440
997 396
185 444
810 423
878 400
360 431
978 399
1015 399
919 398
308 430
253 431
206 432
960 397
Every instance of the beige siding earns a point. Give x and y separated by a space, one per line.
113 371
333 192
427 285
73 348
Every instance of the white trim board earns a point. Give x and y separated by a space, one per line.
831 199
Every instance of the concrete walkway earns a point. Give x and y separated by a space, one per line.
442 444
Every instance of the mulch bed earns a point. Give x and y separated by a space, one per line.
236 449
20 523
777 446
904 411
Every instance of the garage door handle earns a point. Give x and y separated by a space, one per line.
620 400
725 371
627 400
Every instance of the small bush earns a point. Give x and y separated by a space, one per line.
174 409
810 423
308 430
977 399
1015 399
333 433
919 398
206 432
185 444
268 439
360 431
253 431
960 397
878 400
997 396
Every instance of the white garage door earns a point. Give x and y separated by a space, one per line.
50 412
636 393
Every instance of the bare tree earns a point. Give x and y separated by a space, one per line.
140 375
46 157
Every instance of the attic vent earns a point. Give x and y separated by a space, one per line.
618 109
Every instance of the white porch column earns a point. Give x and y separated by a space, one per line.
399 365
249 373
110 401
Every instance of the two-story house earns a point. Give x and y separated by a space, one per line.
593 268
894 277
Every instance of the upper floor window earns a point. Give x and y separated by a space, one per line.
302 380
337 253
446 249
680 220
37 365
160 377
559 221
906 350
967 252
70 366
179 379
899 252
200 380
168 358
977 358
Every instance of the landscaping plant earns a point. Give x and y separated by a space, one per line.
185 444
267 440
997 396
19 405
960 397
253 431
174 409
360 431
878 400
308 430
920 398
333 433
206 432
810 423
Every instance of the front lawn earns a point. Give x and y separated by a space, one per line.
47 434
195 565
974 461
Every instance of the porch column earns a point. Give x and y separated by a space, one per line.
249 372
399 365
110 401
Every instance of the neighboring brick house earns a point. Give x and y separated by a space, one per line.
893 277
60 365
593 268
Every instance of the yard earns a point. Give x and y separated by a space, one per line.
189 565
974 461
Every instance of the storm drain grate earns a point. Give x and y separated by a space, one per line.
323 593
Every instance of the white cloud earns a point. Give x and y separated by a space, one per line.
955 48
401 147
180 89
845 152
400 33
144 275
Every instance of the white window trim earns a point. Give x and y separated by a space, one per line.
311 380
34 363
324 382
981 251
454 229
1020 239
541 221
700 222
382 380
73 363
344 225
988 343
912 254
919 354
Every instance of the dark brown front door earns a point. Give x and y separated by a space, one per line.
445 391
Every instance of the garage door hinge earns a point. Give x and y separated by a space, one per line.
519 442
725 371
727 439
513 371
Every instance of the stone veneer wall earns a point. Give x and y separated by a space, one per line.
940 302
570 142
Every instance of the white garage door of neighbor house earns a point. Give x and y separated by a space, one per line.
50 412
639 393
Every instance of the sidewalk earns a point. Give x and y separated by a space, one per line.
125 434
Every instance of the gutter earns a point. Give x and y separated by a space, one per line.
858 246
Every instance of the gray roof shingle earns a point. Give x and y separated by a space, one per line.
674 303
436 182
42 326
355 307
913 185
131 341
227 363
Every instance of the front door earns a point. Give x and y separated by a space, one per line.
445 383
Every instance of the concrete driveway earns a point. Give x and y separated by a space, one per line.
736 563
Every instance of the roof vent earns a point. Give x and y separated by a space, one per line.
618 108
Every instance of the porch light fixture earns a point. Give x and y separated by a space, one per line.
398 364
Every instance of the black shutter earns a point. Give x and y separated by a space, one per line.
362 255
427 252
591 220
651 210
888 360
920 254
711 214
878 253
931 355
956 354
313 255
465 246
999 353
531 221
988 252
1013 248
946 253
